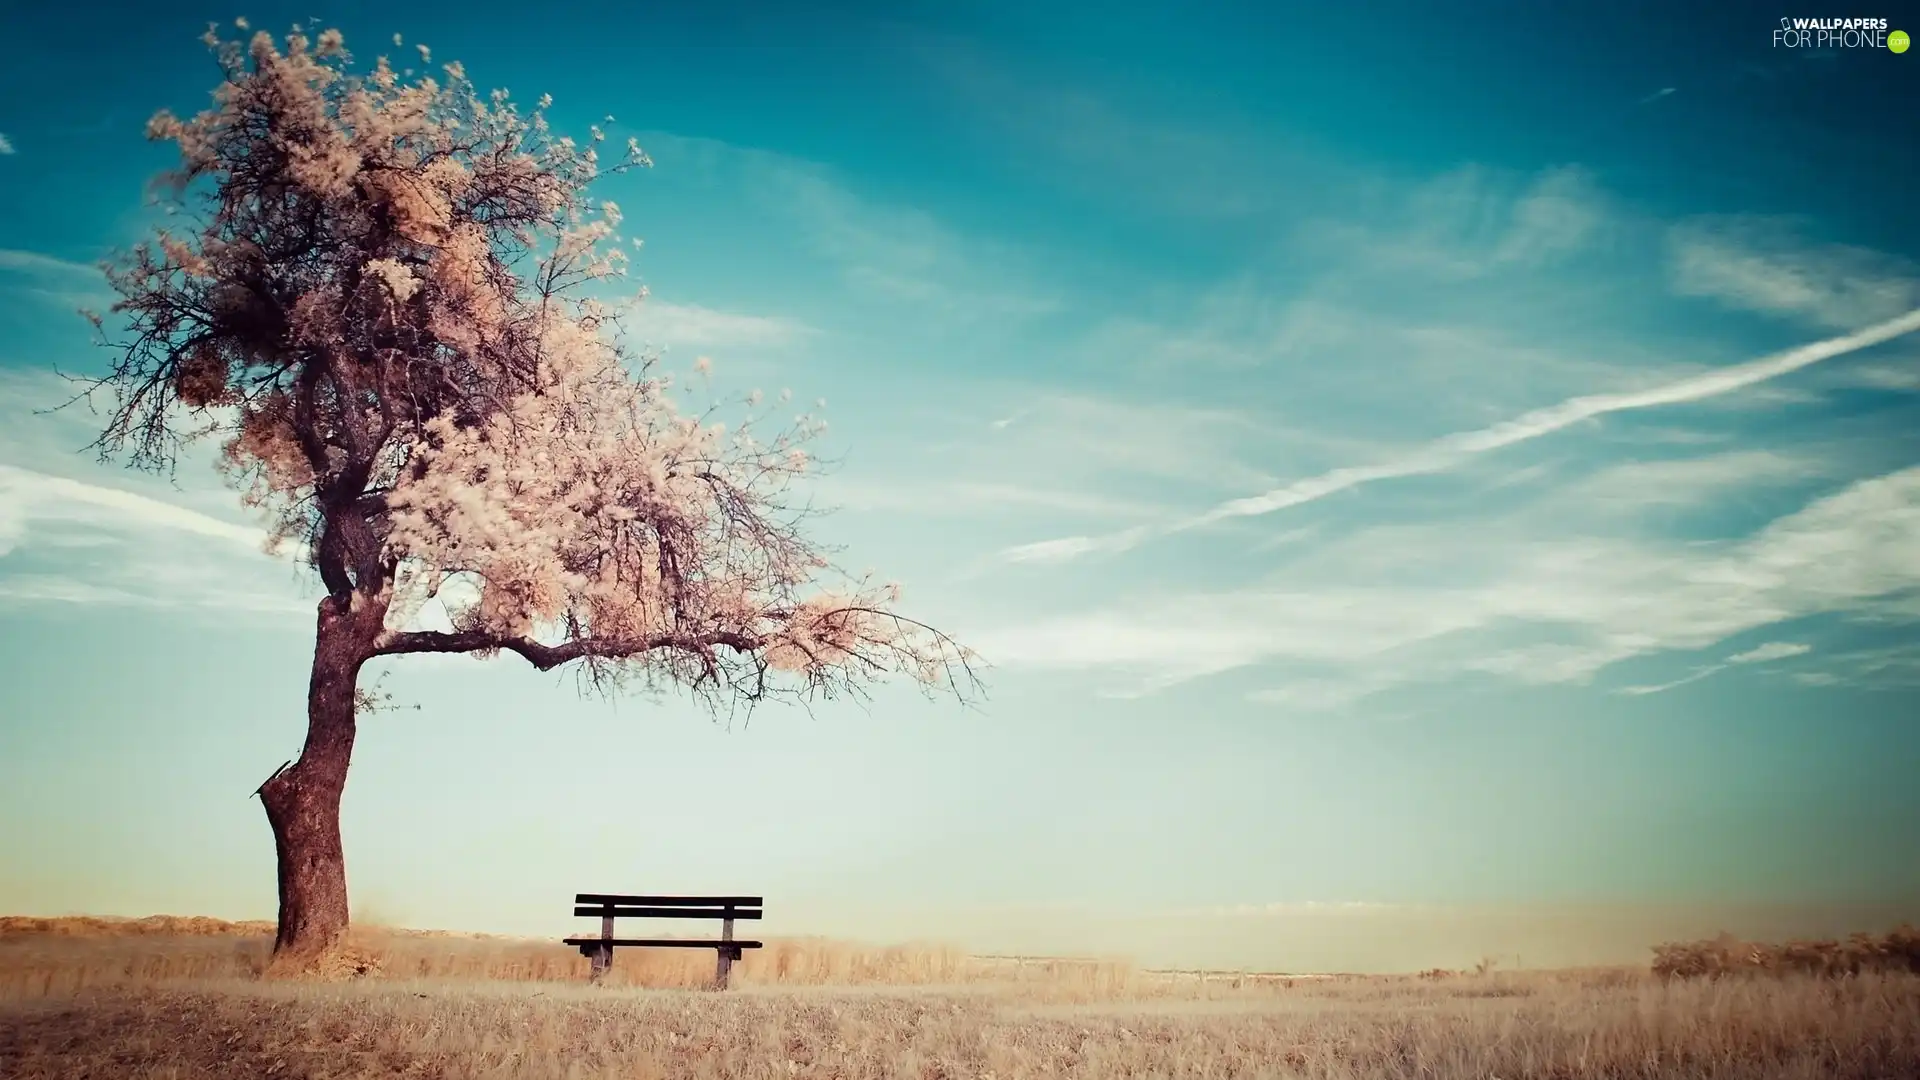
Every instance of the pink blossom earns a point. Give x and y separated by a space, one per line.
381 319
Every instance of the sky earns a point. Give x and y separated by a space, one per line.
1431 482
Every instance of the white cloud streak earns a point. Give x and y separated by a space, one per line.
67 541
34 262
55 281
1452 450
1581 603
1772 650
1072 547
25 495
1661 688
1760 654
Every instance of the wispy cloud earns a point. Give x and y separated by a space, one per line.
1471 223
69 541
76 532
1085 441
1413 603
899 253
34 262
1661 688
1450 451
65 590
1759 654
672 324
1888 668
1628 491
887 253
945 498
1772 650
27 496
53 280
1656 95
1556 216
1320 694
1072 547
6 146
1072 460
1882 377
1760 265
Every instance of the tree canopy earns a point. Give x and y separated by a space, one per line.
380 308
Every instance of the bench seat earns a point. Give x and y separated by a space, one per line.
659 943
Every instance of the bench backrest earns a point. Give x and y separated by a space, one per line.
622 906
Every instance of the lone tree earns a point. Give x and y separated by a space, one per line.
378 310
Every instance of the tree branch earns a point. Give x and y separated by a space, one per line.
548 657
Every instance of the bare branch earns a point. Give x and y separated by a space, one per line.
548 657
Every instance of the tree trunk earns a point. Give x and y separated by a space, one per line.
303 802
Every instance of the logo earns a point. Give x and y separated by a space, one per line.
1839 34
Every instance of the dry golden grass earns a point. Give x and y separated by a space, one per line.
89 1003
72 953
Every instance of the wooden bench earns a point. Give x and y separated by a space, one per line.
610 906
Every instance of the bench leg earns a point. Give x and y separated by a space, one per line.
723 965
603 956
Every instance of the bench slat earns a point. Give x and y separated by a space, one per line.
668 913
660 943
603 899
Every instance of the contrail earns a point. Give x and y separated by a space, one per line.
1450 450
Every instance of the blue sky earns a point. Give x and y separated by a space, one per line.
1368 447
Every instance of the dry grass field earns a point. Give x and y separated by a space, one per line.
183 998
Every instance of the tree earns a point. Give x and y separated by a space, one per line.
380 312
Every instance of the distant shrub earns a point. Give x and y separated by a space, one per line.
1896 950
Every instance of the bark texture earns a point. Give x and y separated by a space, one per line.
303 802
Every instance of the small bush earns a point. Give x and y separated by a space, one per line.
1895 951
